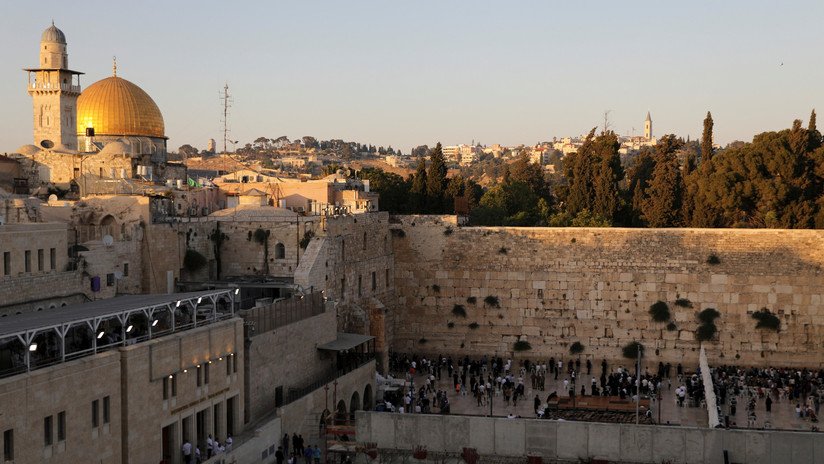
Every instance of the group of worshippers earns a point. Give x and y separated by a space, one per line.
193 455
798 388
297 451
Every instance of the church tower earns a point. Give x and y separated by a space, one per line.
54 89
648 127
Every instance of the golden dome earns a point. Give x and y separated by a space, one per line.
116 107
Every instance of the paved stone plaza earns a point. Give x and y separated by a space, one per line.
782 415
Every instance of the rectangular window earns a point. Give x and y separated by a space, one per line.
125 269
47 431
106 410
8 445
359 285
234 364
61 426
342 287
95 413
53 259
374 281
199 378
387 279
109 279
228 365
28 260
6 263
165 388
40 260
174 385
206 373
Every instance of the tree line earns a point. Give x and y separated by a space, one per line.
775 181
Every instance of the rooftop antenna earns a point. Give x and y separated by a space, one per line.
227 103
607 125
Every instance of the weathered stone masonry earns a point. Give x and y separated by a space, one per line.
595 285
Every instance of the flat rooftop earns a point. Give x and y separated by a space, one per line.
100 309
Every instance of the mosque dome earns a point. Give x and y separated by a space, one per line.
28 150
117 107
53 34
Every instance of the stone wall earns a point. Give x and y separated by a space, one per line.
582 441
556 286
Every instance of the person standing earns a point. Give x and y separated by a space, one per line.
316 454
279 454
187 452
285 443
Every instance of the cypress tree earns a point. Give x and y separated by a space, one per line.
706 139
813 134
665 193
436 179
418 190
608 172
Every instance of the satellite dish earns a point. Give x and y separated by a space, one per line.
52 198
108 240
118 275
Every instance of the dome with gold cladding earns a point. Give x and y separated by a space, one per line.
117 107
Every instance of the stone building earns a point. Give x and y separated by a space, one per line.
112 130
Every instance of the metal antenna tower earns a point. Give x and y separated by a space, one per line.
607 125
227 103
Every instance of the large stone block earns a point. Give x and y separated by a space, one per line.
482 434
509 437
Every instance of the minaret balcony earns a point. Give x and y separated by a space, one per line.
48 86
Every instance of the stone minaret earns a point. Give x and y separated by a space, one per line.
648 127
54 90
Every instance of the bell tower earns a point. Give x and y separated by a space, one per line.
54 89
648 127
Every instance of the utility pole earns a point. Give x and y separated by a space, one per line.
607 125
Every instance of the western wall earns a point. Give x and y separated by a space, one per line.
556 286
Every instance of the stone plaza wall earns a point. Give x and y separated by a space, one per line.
580 441
556 286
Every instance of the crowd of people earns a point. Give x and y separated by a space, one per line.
799 389
298 452
492 376
193 455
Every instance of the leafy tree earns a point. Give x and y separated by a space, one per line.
814 135
392 188
639 175
608 173
310 142
187 151
706 139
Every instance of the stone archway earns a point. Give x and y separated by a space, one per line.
368 402
340 412
354 404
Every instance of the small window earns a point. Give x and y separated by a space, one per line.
540 294
199 378
280 251
165 388
61 426
387 278
110 279
125 269
40 260
174 385
6 263
229 365
28 260
342 286
359 285
95 413
106 410
8 445
206 374
374 281
52 259
47 431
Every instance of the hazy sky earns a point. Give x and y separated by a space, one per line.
417 72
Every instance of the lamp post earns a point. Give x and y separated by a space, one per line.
638 383
491 394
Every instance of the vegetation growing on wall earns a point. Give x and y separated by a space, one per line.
766 320
459 310
659 311
631 350
683 303
474 325
217 237
307 237
713 260
576 348
521 345
471 300
492 301
706 330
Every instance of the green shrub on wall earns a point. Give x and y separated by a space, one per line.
766 320
459 310
659 311
576 348
631 350
193 261
522 345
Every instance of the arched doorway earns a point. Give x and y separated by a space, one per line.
340 412
368 402
108 226
354 405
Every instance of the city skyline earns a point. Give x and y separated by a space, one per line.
404 76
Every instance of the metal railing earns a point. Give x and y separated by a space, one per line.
50 86
281 313
296 393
